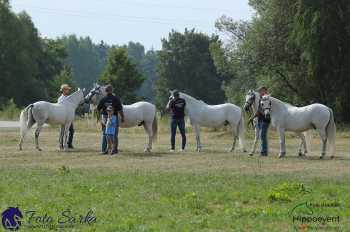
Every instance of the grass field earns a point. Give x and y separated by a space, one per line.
161 191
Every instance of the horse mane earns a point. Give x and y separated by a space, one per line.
288 105
73 94
193 99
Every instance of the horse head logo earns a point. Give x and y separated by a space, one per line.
11 218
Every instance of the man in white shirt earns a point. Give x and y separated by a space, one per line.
65 91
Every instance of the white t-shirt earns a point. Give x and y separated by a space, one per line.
61 98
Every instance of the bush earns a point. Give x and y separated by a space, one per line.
9 111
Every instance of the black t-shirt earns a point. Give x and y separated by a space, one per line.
177 107
110 100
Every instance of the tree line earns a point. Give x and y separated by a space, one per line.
299 49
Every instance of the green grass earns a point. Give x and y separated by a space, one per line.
161 191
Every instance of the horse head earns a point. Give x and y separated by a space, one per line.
249 100
266 105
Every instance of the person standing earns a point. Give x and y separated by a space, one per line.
263 123
111 131
115 103
177 107
65 91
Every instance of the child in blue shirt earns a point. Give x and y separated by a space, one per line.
110 129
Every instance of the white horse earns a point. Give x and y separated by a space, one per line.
285 117
215 116
137 114
52 113
251 105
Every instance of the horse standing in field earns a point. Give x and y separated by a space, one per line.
52 113
285 117
137 114
215 116
252 101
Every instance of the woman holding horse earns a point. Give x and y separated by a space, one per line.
65 91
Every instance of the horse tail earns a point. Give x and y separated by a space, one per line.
26 121
331 133
241 132
155 127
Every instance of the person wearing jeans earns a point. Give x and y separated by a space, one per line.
177 107
263 129
263 123
110 100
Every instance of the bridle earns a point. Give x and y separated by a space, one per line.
270 104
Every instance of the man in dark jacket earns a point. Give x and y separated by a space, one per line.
114 101
177 107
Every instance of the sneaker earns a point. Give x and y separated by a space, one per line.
182 150
115 152
70 147
104 153
263 154
172 150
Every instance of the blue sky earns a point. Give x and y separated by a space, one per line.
120 21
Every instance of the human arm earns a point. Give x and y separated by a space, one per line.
121 113
100 105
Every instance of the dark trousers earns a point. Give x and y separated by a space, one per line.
173 126
70 136
263 129
104 140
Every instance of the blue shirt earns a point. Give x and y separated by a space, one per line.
111 125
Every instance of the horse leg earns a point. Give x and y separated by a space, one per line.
61 137
148 129
323 136
65 136
198 139
282 142
302 145
234 133
256 139
24 133
37 132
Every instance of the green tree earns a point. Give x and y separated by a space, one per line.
64 77
298 48
122 74
86 59
27 62
185 63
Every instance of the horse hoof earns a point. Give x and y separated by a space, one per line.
39 149
244 150
147 150
251 153
332 157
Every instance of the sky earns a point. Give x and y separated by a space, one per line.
121 21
